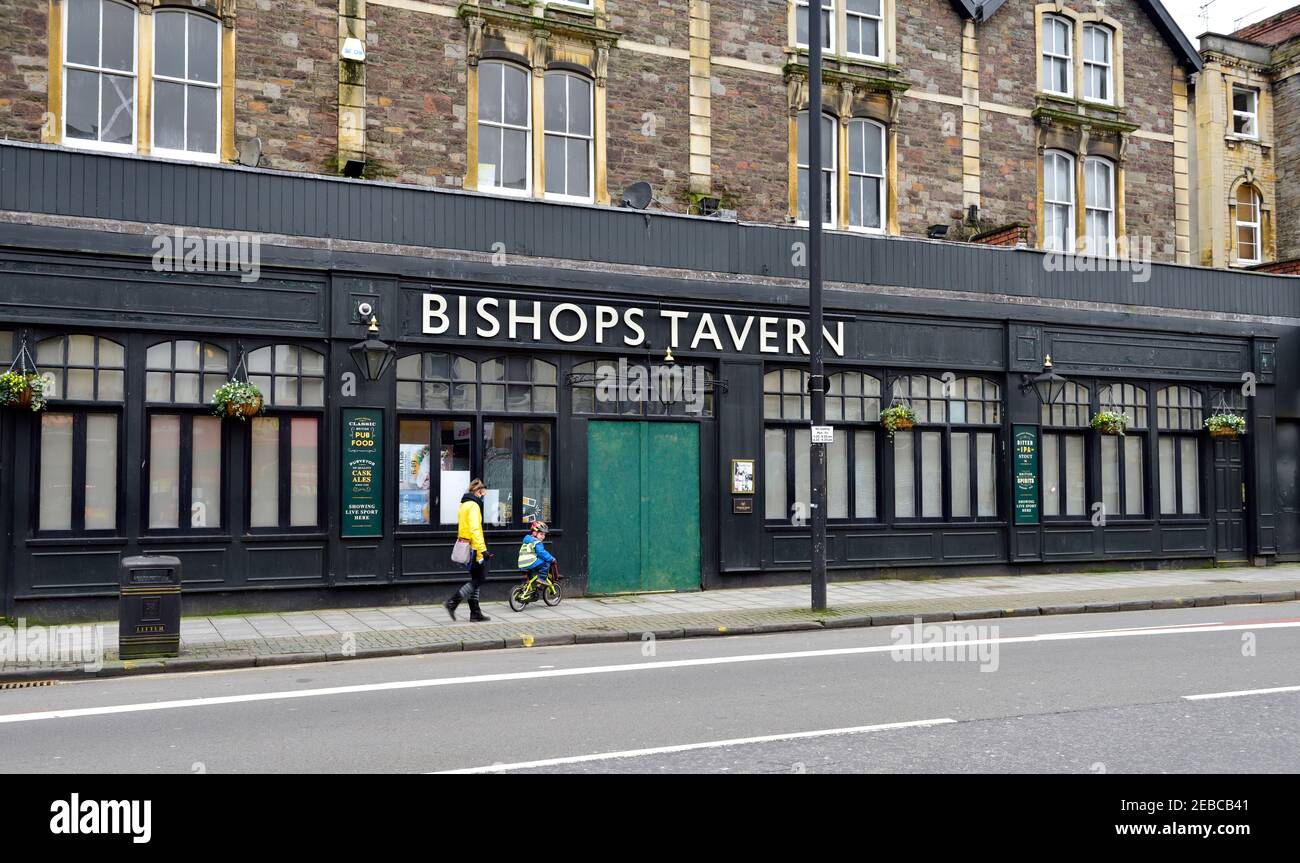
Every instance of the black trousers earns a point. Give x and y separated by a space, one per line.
477 575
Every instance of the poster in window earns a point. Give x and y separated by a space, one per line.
413 483
742 476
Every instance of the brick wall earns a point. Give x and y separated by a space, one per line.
648 122
752 30
415 96
928 40
1149 195
286 87
1286 122
24 34
665 23
929 165
1009 171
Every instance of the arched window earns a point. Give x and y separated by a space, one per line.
1247 221
285 448
1179 417
830 191
1058 55
948 414
504 129
569 133
1098 82
1064 461
186 84
1099 201
1058 201
99 74
184 452
866 175
79 449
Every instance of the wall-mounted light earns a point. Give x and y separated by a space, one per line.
373 356
1048 384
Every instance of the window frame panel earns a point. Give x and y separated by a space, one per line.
569 137
830 174
1092 165
1253 226
1249 118
1053 205
498 187
1054 57
864 176
1091 28
100 71
186 83
80 413
185 477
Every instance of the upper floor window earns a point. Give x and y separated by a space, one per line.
1099 201
82 368
828 23
864 25
829 192
1247 223
1058 201
568 136
186 84
99 76
1098 80
1058 55
1245 112
866 175
504 129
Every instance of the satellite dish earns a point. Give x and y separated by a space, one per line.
250 153
637 196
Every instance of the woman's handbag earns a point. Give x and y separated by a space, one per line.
462 552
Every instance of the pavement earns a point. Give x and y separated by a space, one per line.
242 641
1188 690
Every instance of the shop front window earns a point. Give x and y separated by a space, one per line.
285 445
79 446
623 388
1123 472
1179 416
1064 464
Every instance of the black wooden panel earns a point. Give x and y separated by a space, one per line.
974 545
432 559
1061 542
880 548
298 564
200 567
1179 539
362 562
788 548
72 570
1137 539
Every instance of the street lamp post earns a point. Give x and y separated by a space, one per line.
816 378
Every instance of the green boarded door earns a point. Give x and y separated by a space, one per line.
643 506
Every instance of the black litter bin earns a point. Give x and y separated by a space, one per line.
149 610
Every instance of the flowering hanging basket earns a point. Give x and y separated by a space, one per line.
897 418
1111 423
22 391
1230 426
238 399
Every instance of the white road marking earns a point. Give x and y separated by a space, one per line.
1241 692
213 701
688 747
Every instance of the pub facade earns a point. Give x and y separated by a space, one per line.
637 380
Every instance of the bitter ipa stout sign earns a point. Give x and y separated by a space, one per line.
1026 474
363 473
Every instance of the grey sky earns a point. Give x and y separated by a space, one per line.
1224 15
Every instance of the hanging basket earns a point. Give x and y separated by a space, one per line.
1228 426
1227 433
897 418
1110 423
244 410
22 392
237 400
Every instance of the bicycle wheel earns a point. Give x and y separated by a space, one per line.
552 595
517 601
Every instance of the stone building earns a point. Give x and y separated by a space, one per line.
1247 108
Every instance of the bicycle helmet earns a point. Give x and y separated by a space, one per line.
539 526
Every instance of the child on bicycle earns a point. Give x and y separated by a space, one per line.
534 559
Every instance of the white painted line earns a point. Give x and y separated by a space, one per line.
616 669
688 747
1241 692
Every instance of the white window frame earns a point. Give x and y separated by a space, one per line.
832 171
527 191
1050 203
186 155
567 135
1253 116
1090 165
134 75
863 19
1254 227
829 36
882 176
581 4
1089 30
1068 58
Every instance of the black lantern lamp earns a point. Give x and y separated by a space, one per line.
373 356
1049 385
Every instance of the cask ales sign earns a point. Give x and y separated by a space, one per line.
363 473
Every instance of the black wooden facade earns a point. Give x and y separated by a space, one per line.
77 235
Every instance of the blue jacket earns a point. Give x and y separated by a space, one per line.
544 557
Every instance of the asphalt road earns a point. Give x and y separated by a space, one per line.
1079 693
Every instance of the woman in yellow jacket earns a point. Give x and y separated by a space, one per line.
469 527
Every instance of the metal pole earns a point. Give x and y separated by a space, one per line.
816 379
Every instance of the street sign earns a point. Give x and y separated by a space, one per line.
1026 474
363 473
823 434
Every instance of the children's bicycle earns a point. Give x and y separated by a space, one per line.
536 587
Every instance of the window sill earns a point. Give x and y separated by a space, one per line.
50 541
185 538
97 146
287 537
